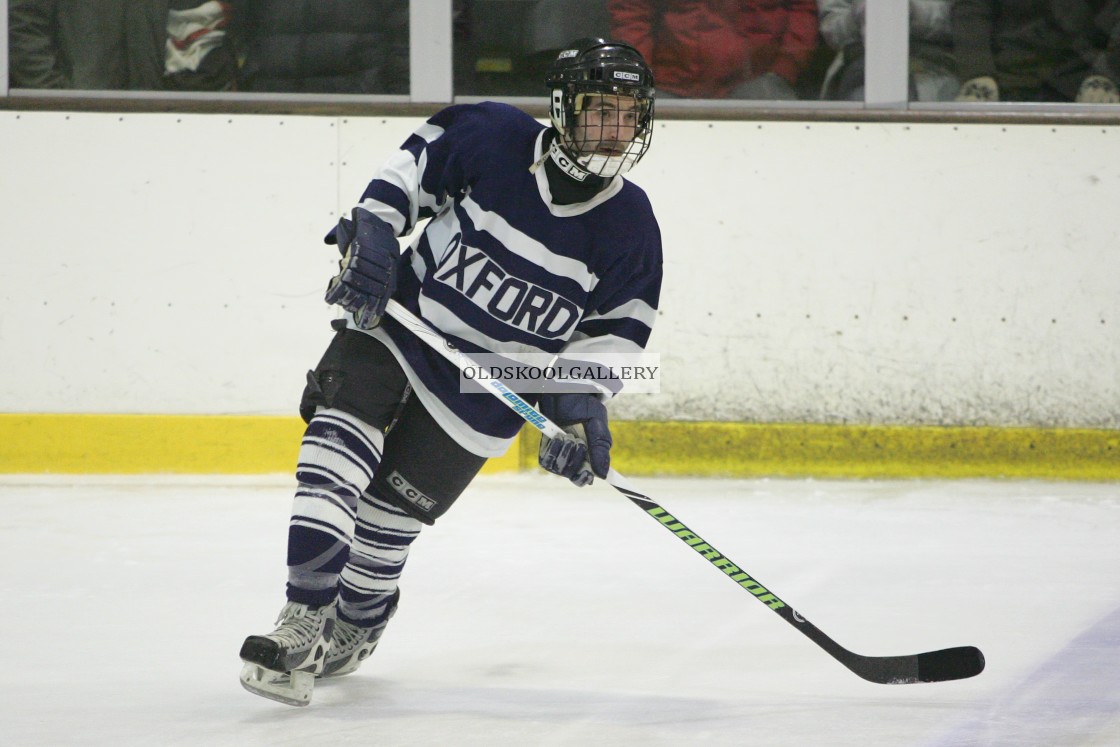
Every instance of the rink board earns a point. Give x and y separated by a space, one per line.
132 444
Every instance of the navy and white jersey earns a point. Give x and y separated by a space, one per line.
501 269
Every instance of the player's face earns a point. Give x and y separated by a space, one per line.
607 124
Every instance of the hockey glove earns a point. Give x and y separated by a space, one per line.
586 449
367 272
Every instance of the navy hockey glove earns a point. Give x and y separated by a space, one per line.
367 272
586 450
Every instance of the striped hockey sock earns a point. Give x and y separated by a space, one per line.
377 556
337 460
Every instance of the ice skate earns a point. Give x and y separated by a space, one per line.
351 645
283 664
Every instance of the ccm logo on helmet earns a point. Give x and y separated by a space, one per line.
624 75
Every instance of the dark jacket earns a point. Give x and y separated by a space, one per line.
1035 43
323 46
112 44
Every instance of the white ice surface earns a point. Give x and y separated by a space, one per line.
538 614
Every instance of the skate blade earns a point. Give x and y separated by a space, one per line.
292 689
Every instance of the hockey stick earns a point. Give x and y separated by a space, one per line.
931 666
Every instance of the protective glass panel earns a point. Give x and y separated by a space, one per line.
745 51
764 51
341 46
504 47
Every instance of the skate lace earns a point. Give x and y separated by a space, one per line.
298 625
347 637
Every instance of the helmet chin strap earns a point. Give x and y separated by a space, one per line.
565 162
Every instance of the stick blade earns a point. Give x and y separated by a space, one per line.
957 663
932 666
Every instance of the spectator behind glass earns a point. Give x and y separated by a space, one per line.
326 46
86 45
713 49
199 56
932 76
1038 50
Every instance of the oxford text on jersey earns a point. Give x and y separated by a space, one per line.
503 295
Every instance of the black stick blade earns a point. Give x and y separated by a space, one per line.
932 666
950 664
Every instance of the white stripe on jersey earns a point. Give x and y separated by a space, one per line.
527 247
425 199
445 320
385 212
602 350
582 347
404 172
636 309
429 132
441 233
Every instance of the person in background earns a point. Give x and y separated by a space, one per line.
716 49
932 70
1038 50
327 46
199 56
86 45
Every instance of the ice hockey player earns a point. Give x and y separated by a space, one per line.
535 244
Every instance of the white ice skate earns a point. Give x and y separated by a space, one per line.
283 664
351 645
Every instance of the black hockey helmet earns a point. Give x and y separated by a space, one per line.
592 73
